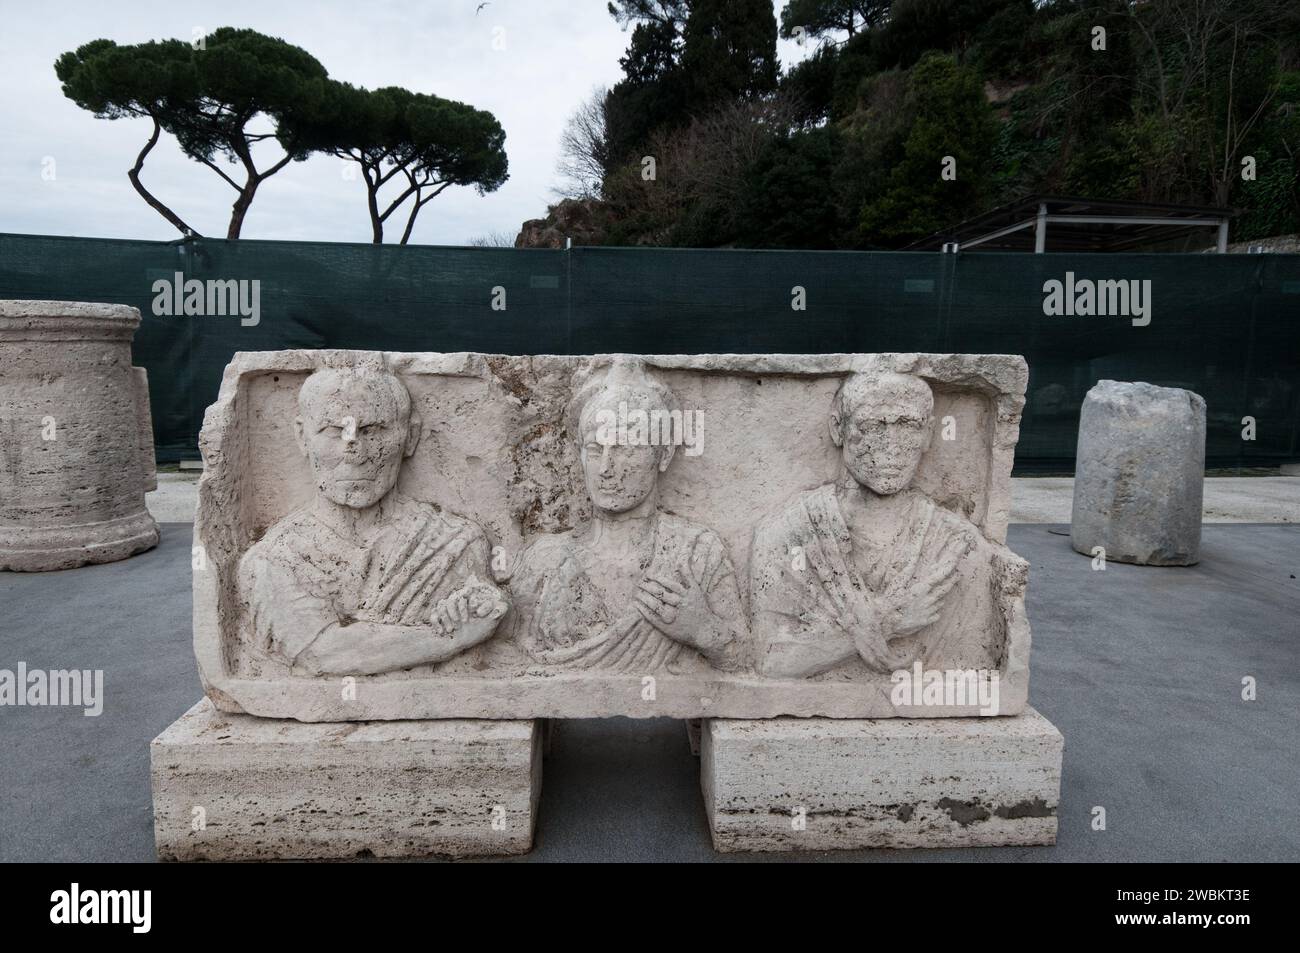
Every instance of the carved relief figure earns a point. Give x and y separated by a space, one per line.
636 587
868 571
363 579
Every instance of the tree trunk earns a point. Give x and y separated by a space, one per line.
255 178
240 208
376 223
134 175
410 221
419 204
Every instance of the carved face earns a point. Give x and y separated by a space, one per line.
884 431
355 430
620 476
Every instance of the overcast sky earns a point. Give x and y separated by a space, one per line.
556 52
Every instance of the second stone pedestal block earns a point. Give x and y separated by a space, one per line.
824 784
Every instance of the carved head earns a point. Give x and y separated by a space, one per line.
883 423
623 441
355 426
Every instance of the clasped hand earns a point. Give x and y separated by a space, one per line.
474 600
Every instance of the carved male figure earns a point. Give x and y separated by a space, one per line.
362 579
636 587
868 571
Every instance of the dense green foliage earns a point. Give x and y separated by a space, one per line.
846 148
678 67
729 51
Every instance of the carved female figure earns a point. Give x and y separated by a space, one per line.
636 587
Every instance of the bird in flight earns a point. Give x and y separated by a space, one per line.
479 7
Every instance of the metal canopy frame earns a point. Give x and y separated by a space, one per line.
1082 225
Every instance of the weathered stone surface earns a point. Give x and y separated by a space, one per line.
580 221
234 787
468 535
76 443
1140 474
827 784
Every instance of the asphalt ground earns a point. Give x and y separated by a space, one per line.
1140 668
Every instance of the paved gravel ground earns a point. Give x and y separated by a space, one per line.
1140 668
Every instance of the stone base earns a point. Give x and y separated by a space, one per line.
823 784
235 787
49 548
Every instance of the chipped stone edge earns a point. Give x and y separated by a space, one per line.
23 319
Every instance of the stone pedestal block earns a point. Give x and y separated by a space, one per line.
76 443
236 787
822 784
1140 474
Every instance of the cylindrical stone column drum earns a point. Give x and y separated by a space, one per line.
1139 474
76 442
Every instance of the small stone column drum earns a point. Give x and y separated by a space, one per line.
1140 474
76 441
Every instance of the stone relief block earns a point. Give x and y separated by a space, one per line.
477 536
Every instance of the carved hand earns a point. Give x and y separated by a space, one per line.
870 631
862 622
474 600
917 604
676 606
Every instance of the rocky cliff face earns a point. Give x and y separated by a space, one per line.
577 219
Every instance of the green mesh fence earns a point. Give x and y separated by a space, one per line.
1225 326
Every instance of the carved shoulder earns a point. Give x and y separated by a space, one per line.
276 544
